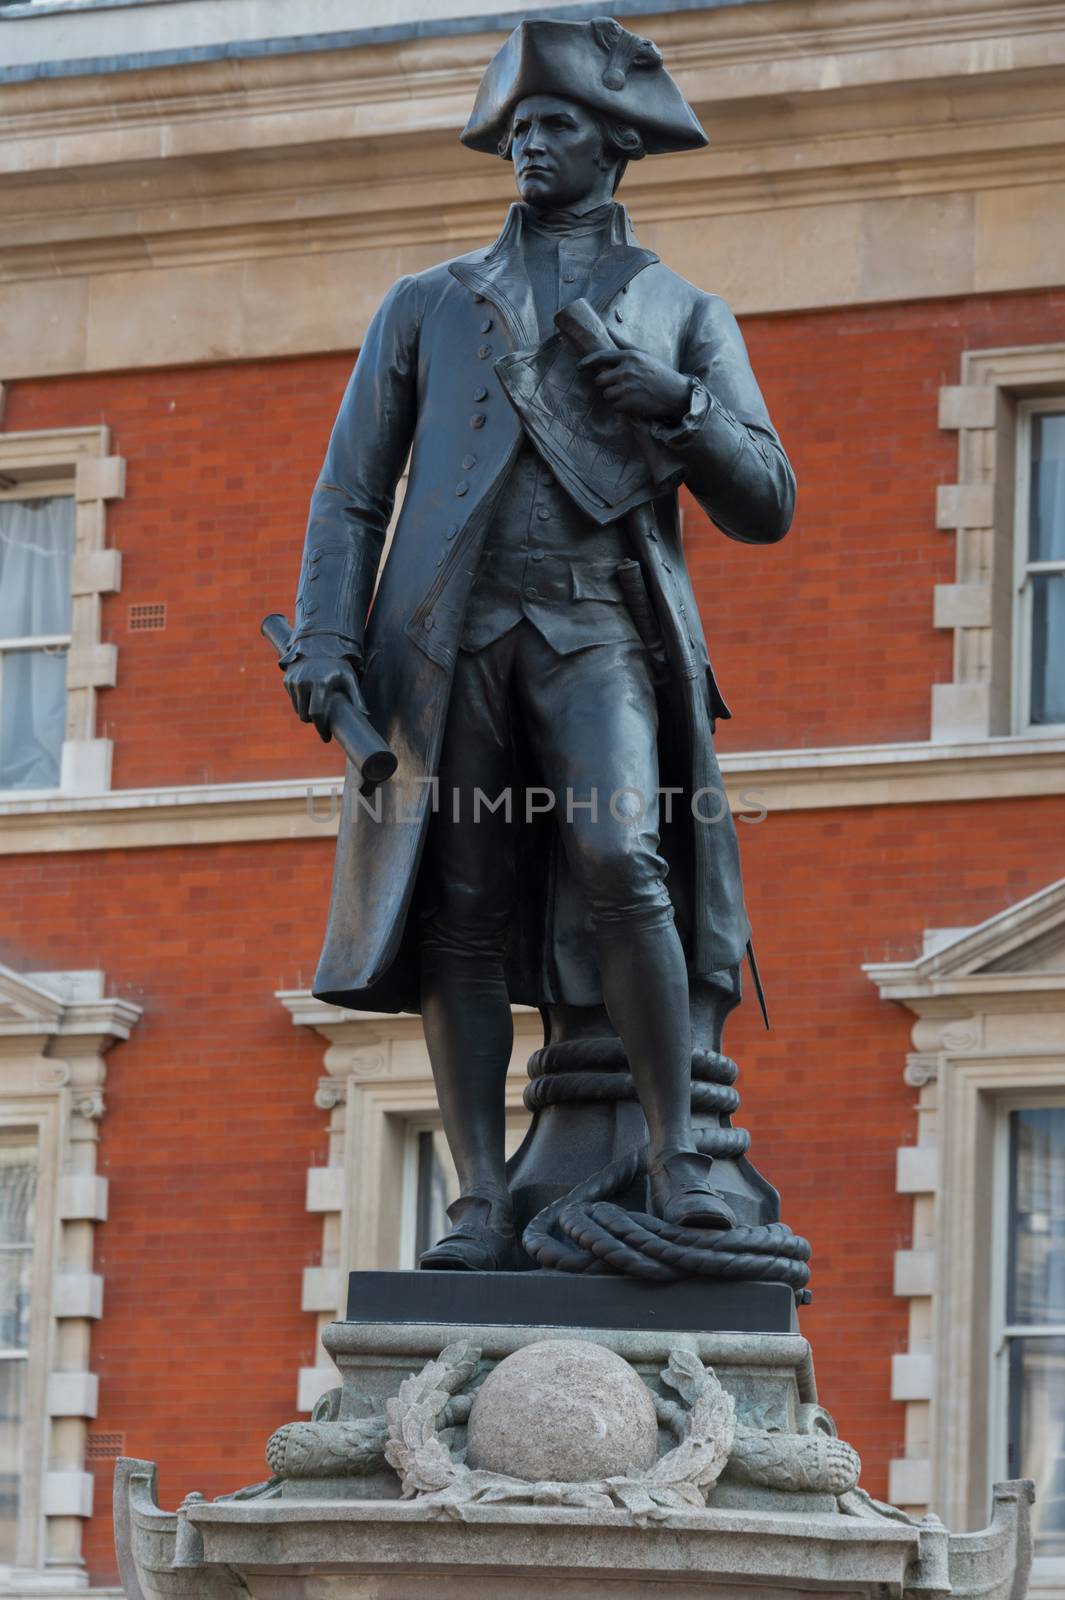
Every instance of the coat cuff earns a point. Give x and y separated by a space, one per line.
340 645
700 403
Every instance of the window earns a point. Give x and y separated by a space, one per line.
36 555
1039 626
1032 1349
431 1183
18 1188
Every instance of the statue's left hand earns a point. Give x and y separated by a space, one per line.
638 385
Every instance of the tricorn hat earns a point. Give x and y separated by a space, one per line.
601 64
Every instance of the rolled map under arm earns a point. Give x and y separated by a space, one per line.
351 728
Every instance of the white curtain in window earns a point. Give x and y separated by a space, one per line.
36 550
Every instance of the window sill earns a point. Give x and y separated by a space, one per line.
307 808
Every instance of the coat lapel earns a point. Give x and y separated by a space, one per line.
500 276
619 262
503 281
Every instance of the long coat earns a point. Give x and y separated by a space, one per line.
425 383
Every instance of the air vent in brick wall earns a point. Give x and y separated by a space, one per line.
105 1446
147 619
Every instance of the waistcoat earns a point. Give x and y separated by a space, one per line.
542 558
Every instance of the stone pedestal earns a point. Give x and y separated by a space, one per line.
408 1484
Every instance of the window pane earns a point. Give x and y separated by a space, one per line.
1037 1434
33 714
18 1190
12 1412
1048 646
1047 538
1037 1216
36 550
438 1184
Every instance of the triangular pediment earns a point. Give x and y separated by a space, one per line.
1022 946
25 1006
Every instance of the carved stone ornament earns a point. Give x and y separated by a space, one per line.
431 1472
418 1439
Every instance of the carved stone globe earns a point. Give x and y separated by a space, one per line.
562 1411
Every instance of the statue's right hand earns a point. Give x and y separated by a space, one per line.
313 680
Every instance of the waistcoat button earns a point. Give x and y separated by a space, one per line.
462 488
532 593
468 462
484 352
477 420
538 555
480 394
486 325
543 514
453 528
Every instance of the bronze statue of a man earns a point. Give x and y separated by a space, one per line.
534 654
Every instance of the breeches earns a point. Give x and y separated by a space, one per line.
586 725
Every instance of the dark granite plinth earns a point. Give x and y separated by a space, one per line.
557 1300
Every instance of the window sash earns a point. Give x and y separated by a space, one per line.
36 641
1006 1342
1025 570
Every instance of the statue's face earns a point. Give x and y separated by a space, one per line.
557 148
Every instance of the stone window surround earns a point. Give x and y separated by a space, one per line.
980 510
76 461
378 1085
989 1005
55 1029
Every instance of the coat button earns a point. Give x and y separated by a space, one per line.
486 325
543 514
569 277
538 555
477 420
468 462
428 624
484 352
532 593
452 529
462 488
480 394
617 314
440 560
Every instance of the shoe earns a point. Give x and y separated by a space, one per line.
482 1239
682 1194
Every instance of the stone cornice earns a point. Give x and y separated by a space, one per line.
778 780
1011 962
320 175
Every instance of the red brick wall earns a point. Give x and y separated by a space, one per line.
220 466
209 1130
827 638
211 1125
824 639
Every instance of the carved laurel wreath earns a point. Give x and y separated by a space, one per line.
419 1452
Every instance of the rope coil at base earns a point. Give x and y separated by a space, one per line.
582 1232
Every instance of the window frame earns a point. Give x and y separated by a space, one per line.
979 701
42 1114
59 642
1021 622
75 462
1047 1572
